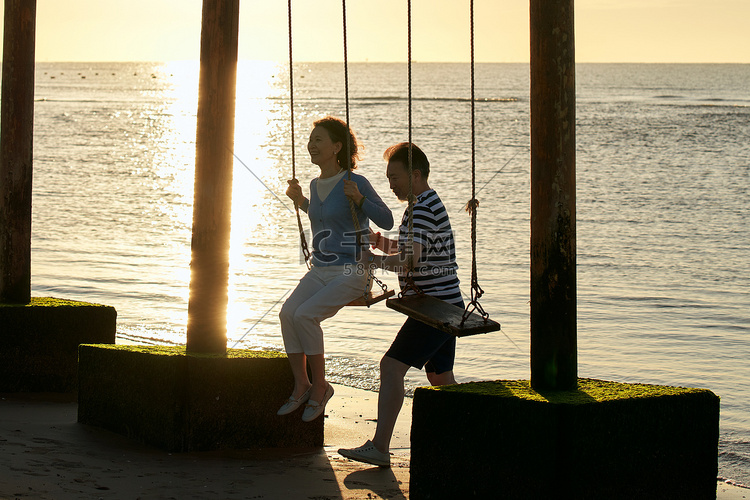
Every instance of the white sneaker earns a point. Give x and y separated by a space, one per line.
368 454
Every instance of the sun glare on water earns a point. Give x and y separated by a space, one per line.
260 209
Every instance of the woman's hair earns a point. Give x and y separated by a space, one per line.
400 152
339 132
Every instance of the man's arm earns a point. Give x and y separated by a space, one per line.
385 245
397 262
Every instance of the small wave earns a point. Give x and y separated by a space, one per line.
142 340
391 99
90 101
148 335
437 99
732 482
724 103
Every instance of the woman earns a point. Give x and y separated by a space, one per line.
336 278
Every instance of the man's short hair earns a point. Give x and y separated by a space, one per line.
400 152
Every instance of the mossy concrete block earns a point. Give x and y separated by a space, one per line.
605 440
185 402
39 342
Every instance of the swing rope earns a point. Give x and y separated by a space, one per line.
410 285
471 207
303 240
352 207
473 204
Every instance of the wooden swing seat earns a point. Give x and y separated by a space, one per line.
442 315
371 298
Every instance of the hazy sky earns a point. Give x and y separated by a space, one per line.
606 30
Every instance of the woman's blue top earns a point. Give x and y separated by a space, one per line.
334 241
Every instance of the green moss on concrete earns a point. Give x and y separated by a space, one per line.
244 353
588 391
164 397
182 351
53 302
604 440
40 342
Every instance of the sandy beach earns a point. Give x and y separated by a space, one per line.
46 454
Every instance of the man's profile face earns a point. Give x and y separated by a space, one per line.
398 178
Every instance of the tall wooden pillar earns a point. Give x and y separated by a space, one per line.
553 215
16 151
207 306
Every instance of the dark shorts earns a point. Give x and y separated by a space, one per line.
421 345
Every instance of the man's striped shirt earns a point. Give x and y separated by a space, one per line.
435 271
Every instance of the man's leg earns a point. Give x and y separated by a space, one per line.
414 345
390 400
445 378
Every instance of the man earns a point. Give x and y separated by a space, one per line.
434 264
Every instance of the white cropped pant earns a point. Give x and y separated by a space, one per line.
318 296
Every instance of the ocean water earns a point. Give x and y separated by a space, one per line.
663 183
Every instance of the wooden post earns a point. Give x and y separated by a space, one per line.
16 151
553 217
207 306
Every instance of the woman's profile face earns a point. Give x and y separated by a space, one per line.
321 147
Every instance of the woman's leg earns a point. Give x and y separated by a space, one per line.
340 288
318 370
320 294
298 362
307 287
